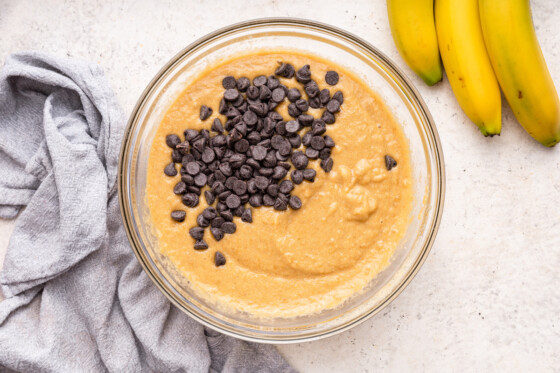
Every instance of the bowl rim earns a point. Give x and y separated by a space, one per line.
124 203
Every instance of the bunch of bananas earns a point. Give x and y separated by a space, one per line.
484 45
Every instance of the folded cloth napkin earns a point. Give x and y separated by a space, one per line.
76 298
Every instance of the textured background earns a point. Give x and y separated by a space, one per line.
487 298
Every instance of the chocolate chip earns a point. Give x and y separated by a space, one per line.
305 120
325 153
295 141
202 221
229 82
187 179
293 110
197 233
218 141
328 117
303 75
280 204
231 94
225 168
281 128
239 187
237 160
315 102
259 81
268 200
297 176
193 168
227 215
338 96
217 222
242 146
219 259
245 172
331 77
190 200
205 112
194 189
324 96
318 127
312 153
302 105
294 94
317 142
253 92
292 126
255 200
266 171
259 152
286 186
200 245
309 174
176 156
279 172
172 141
229 227
210 197
243 83
390 162
265 93
278 95
208 155
306 139
217 233
223 108
199 144
170 169
329 142
295 202
247 216
261 182
229 182
327 164
224 195
312 89
200 180
333 106
178 215
217 126
180 188
299 160
272 190
233 201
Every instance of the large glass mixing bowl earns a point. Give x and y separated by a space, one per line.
367 63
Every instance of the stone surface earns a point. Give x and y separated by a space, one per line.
488 296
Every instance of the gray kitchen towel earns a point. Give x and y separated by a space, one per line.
76 298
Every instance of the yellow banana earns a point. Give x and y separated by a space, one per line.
466 63
414 32
520 67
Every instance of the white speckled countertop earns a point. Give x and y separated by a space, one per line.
487 298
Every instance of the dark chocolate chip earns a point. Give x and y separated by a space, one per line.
319 127
338 96
193 168
239 187
312 89
217 222
297 176
303 75
202 221
205 112
293 110
223 108
315 102
210 197
324 96
225 168
242 146
233 201
265 93
172 141
199 144
259 81
309 174
245 172
390 162
328 117
312 153
329 142
194 189
259 152
231 94
280 204
286 186
243 83
295 202
253 92
268 200
305 120
176 156
217 126
299 160
208 155
325 153
180 188
331 77
294 94
261 182
327 164
255 200
295 141
306 139
302 105
333 106
272 190
200 245
200 180
266 171
229 227
239 211
217 233
317 142
227 215
272 83
219 259
229 82
292 126
178 215
279 172
197 233
278 95
190 200
247 216
187 179
170 169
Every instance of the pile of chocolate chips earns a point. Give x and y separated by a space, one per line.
246 159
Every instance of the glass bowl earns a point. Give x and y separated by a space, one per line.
367 63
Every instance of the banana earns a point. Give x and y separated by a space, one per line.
520 67
414 32
466 63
